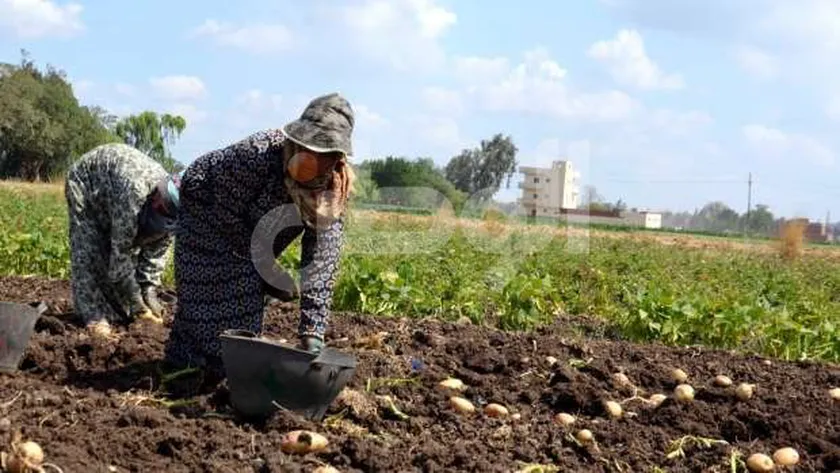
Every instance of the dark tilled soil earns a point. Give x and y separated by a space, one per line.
93 407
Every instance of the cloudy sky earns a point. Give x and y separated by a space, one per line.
667 104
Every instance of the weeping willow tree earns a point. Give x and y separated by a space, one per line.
153 134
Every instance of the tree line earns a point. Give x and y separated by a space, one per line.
44 128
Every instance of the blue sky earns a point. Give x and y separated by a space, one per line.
667 104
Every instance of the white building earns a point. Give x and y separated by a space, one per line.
545 191
644 219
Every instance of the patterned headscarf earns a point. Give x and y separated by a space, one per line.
159 215
324 127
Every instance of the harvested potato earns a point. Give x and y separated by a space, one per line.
684 393
760 463
834 393
325 469
303 441
453 384
551 360
723 381
584 436
657 399
25 457
564 419
461 405
744 391
613 409
621 379
786 456
495 410
679 375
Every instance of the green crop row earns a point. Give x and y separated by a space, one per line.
518 278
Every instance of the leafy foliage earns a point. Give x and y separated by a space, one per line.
43 128
153 134
411 183
516 278
480 171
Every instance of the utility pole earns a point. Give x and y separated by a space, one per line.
749 204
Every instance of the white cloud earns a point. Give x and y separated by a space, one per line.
125 89
679 123
368 119
192 114
257 101
626 59
756 61
34 19
772 142
537 86
403 33
832 107
478 70
441 100
258 38
179 87
439 132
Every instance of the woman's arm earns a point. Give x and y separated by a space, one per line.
152 261
321 252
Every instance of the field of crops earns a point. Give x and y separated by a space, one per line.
645 286
576 392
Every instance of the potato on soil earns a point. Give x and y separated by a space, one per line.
461 405
621 380
760 463
613 409
303 441
657 399
495 410
325 469
584 436
452 384
564 419
744 391
684 393
834 393
723 381
786 456
25 457
679 375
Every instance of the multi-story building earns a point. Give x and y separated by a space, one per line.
547 191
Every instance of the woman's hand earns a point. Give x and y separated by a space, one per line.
311 344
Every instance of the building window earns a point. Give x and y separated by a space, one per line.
535 196
536 179
547 180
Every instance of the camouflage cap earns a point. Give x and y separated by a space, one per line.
325 126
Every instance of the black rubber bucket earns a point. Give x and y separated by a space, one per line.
265 375
17 322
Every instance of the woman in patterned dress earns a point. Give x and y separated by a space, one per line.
240 208
121 207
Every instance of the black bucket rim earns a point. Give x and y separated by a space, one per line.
329 370
32 311
327 356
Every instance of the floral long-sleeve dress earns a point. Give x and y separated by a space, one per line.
224 195
105 192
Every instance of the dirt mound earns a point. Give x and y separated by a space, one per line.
98 406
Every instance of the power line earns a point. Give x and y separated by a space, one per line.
675 181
